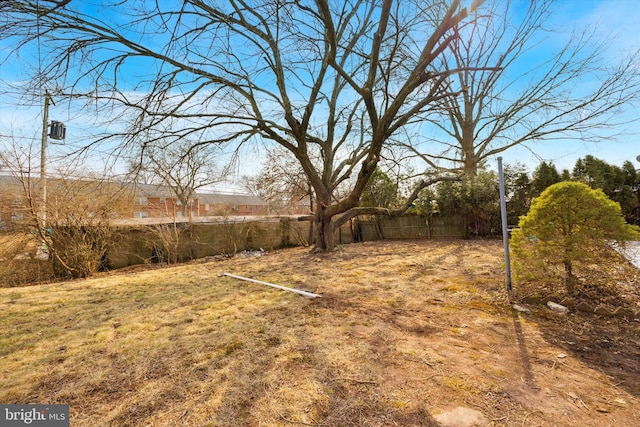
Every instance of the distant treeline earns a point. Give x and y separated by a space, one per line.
477 199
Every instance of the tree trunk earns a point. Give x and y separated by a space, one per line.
570 280
325 236
470 155
310 192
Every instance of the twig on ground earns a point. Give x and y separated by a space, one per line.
355 380
584 404
524 420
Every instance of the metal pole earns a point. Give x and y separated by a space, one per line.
505 228
297 291
43 162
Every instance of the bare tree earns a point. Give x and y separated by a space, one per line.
281 182
79 212
182 166
336 80
503 100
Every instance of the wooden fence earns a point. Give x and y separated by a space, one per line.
408 227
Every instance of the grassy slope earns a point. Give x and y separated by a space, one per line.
404 331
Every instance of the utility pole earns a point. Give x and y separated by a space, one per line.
57 131
43 160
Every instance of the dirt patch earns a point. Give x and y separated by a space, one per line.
411 333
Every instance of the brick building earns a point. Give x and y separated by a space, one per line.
140 201
156 201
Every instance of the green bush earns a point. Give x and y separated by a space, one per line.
569 225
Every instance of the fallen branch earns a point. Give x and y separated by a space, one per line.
355 381
297 291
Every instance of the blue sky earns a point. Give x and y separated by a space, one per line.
617 18
21 116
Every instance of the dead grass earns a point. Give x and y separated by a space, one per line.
404 331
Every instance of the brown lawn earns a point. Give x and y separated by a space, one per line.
404 333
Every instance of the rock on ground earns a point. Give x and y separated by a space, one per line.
462 417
